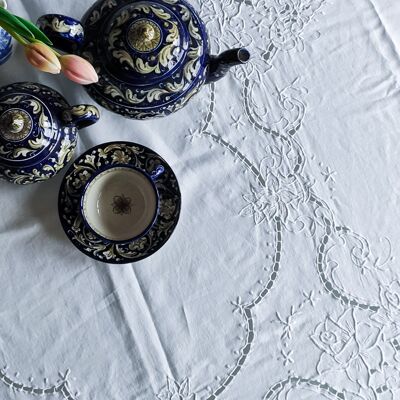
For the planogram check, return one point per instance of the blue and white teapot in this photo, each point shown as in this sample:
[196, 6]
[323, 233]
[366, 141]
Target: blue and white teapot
[152, 56]
[38, 131]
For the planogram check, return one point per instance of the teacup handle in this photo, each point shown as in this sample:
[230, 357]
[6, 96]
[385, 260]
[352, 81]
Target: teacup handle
[157, 173]
[81, 116]
[66, 33]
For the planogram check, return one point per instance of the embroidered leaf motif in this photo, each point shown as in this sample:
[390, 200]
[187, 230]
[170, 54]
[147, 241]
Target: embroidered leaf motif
[176, 391]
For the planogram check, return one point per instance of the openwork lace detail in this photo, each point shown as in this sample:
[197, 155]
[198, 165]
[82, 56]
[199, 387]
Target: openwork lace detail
[358, 341]
[245, 310]
[281, 190]
[284, 388]
[62, 386]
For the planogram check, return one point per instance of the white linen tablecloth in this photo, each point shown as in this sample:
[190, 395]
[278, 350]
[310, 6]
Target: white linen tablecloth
[281, 281]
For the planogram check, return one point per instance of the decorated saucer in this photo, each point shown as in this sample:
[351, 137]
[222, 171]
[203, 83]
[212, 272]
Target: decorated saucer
[119, 202]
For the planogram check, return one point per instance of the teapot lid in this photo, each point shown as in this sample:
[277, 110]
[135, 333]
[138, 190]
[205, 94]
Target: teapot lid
[29, 126]
[145, 41]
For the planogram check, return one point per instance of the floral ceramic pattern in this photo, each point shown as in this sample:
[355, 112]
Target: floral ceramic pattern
[38, 131]
[59, 25]
[70, 32]
[71, 192]
[177, 88]
[121, 204]
[144, 35]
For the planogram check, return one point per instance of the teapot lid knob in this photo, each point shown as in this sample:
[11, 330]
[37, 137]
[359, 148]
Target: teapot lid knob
[148, 32]
[144, 35]
[15, 125]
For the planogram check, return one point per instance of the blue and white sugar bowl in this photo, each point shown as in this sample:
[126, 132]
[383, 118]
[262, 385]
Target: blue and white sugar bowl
[5, 40]
[38, 131]
[151, 56]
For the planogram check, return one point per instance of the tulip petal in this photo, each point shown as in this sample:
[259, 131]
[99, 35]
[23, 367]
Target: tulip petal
[78, 70]
[42, 57]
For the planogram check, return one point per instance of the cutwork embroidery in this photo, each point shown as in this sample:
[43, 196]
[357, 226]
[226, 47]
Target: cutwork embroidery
[62, 386]
[288, 325]
[282, 187]
[176, 391]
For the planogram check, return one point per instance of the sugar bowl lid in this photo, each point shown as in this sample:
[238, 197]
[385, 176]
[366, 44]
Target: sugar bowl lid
[146, 41]
[29, 124]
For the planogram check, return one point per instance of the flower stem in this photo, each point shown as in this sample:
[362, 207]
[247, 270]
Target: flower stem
[14, 34]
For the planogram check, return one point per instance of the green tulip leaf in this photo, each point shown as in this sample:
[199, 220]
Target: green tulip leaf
[39, 35]
[16, 25]
[14, 34]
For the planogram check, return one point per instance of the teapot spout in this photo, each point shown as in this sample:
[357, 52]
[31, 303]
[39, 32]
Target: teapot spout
[220, 65]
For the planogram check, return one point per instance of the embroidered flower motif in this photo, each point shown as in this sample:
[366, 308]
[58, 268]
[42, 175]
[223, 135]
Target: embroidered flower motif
[389, 315]
[269, 203]
[348, 346]
[176, 391]
[193, 134]
[390, 296]
[120, 157]
[392, 377]
[283, 192]
[280, 161]
[287, 21]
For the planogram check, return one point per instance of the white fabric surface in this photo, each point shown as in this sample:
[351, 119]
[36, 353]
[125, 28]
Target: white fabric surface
[289, 227]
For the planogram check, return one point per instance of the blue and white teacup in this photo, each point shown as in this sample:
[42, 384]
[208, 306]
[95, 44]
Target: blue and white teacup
[5, 40]
[120, 202]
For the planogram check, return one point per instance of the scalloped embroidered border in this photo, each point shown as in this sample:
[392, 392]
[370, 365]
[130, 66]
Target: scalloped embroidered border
[63, 387]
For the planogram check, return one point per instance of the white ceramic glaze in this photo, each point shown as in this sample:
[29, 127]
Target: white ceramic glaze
[120, 203]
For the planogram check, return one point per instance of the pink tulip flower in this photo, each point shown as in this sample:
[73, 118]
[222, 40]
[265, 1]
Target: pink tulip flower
[78, 69]
[42, 57]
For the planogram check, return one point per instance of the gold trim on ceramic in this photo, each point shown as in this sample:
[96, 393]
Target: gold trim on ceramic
[15, 125]
[144, 35]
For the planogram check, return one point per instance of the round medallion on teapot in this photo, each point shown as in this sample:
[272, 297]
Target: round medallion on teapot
[144, 35]
[15, 125]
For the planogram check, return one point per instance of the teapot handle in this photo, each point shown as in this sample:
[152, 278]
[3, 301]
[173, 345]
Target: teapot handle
[66, 33]
[81, 116]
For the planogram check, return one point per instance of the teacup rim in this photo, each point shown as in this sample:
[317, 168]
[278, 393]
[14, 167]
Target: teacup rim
[109, 167]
